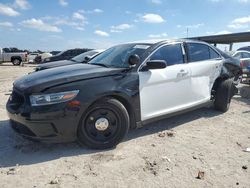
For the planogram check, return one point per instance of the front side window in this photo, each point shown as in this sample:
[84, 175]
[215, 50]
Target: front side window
[198, 52]
[172, 54]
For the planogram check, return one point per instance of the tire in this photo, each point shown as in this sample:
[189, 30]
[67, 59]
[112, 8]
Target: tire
[223, 95]
[104, 124]
[16, 62]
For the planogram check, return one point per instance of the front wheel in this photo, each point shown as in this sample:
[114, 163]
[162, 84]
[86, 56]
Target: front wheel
[104, 125]
[223, 96]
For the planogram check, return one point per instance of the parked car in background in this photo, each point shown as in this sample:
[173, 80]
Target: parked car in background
[31, 57]
[40, 58]
[15, 57]
[244, 57]
[126, 86]
[66, 55]
[82, 58]
[246, 48]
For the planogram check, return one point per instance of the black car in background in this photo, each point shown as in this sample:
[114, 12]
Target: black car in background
[66, 55]
[82, 58]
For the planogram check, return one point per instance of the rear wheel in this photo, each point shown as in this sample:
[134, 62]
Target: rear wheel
[223, 95]
[16, 62]
[104, 125]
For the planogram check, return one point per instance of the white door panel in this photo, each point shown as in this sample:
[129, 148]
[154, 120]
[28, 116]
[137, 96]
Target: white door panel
[161, 91]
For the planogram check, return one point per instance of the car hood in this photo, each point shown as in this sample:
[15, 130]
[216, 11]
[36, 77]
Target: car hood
[55, 64]
[39, 81]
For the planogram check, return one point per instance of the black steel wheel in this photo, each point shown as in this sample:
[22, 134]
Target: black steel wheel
[104, 124]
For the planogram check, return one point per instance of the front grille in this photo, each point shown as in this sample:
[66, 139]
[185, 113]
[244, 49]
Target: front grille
[16, 100]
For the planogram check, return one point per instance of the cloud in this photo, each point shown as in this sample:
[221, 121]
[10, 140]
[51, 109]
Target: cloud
[152, 18]
[94, 11]
[244, 1]
[38, 24]
[162, 35]
[8, 11]
[78, 16]
[97, 10]
[63, 3]
[22, 4]
[6, 24]
[157, 2]
[239, 1]
[120, 28]
[101, 33]
[75, 23]
[239, 23]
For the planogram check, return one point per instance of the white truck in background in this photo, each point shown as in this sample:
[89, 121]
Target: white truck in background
[6, 55]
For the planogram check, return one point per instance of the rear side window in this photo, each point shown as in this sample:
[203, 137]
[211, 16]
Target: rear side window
[198, 52]
[172, 54]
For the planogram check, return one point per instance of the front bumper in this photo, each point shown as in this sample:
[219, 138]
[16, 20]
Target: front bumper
[53, 124]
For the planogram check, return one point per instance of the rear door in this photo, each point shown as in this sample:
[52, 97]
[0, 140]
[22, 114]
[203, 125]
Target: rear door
[205, 64]
[164, 91]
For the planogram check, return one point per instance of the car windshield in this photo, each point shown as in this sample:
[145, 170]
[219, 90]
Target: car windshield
[81, 58]
[117, 56]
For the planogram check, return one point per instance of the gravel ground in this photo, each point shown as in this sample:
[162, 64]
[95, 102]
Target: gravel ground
[203, 148]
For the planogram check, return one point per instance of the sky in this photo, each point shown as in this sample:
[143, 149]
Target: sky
[62, 24]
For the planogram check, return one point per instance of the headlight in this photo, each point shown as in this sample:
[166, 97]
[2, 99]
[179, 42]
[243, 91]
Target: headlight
[53, 98]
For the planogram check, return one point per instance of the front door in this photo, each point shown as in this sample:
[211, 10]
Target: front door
[164, 91]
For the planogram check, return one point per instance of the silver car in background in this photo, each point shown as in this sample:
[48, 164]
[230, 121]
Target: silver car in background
[244, 57]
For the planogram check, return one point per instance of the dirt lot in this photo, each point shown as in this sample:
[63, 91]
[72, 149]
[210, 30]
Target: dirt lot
[169, 153]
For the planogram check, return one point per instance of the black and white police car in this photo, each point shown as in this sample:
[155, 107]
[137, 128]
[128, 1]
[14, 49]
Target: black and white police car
[126, 86]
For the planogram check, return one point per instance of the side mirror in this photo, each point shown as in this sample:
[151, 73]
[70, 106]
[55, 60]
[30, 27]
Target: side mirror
[134, 59]
[155, 64]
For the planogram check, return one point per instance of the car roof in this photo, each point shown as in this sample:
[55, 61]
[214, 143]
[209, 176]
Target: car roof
[159, 41]
[245, 51]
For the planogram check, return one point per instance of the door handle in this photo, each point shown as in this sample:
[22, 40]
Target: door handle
[183, 72]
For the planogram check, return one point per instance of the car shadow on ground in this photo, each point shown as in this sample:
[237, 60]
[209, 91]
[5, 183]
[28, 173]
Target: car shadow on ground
[17, 150]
